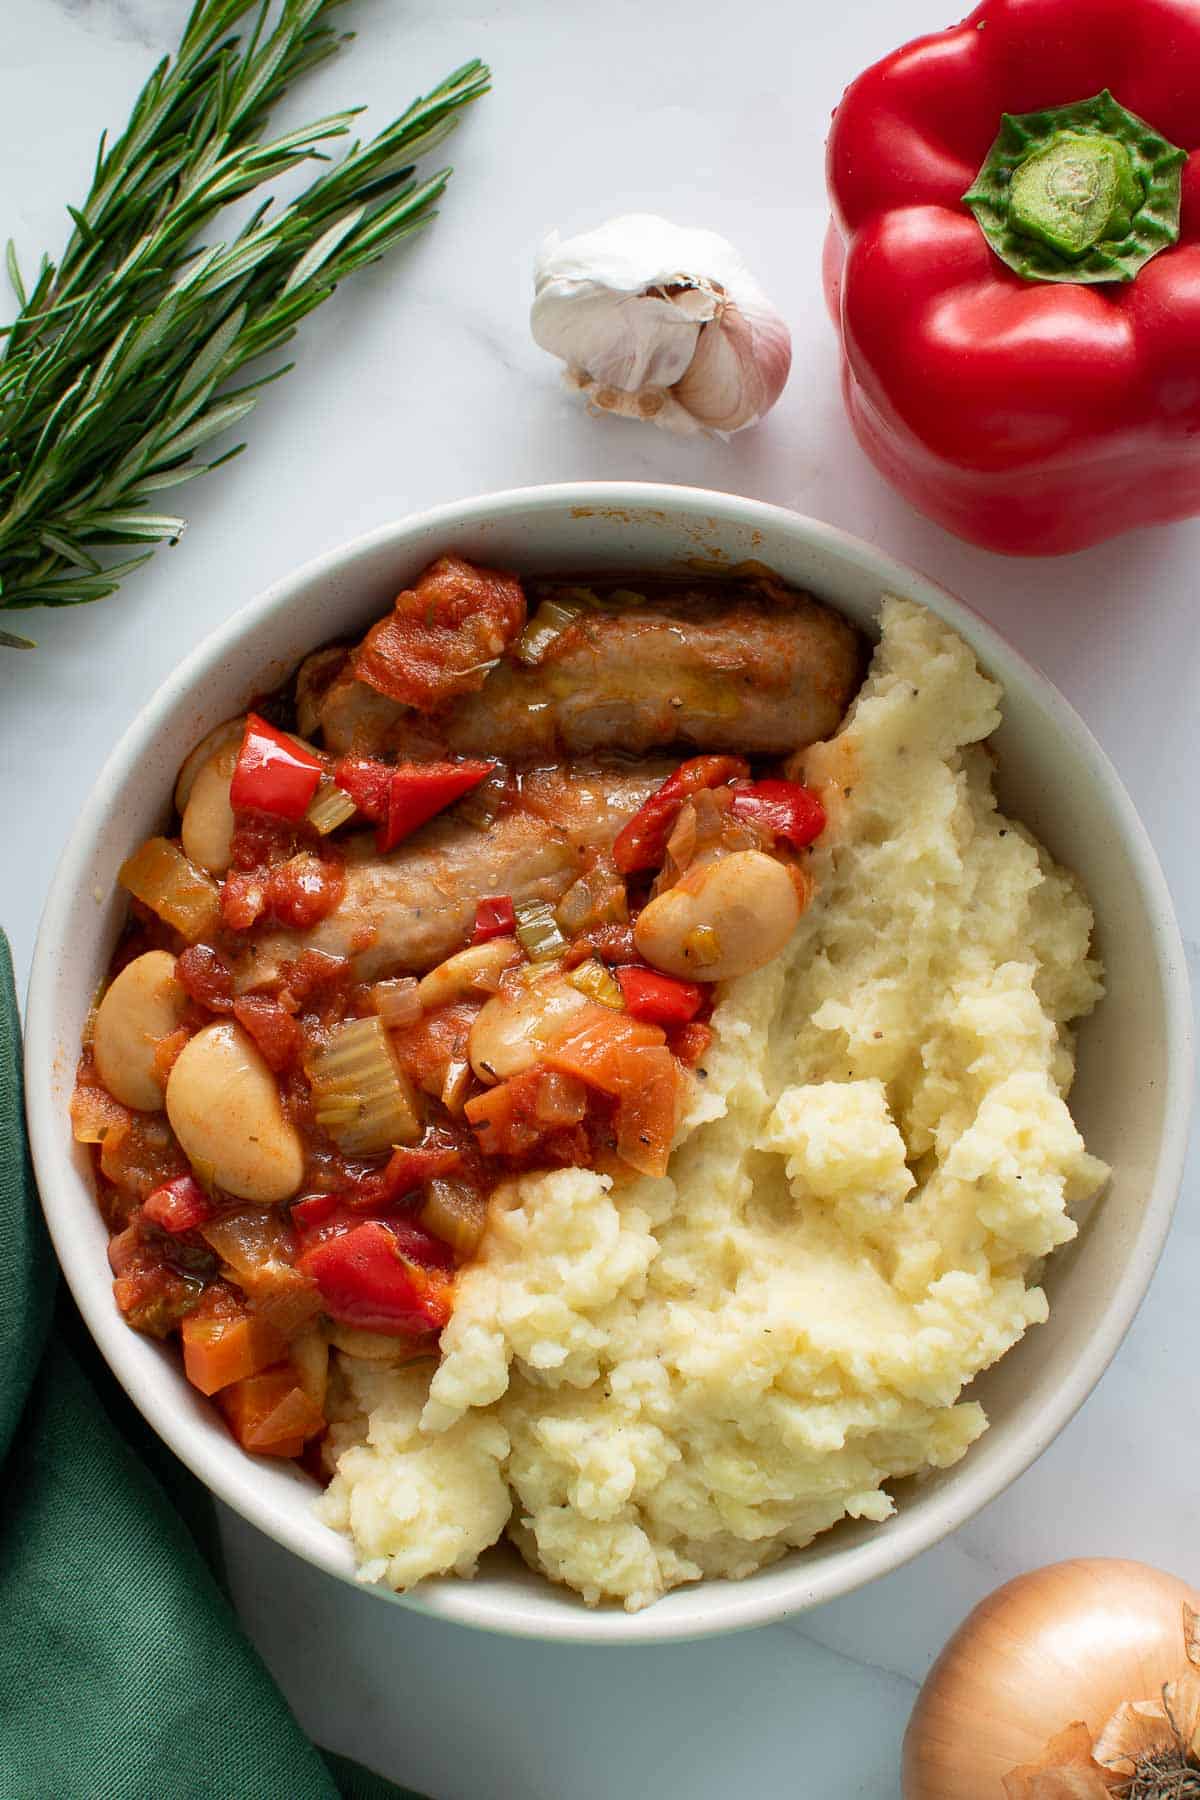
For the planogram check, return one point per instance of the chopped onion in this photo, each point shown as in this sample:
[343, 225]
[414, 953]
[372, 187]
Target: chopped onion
[561, 1099]
[594, 980]
[329, 807]
[456, 1087]
[597, 898]
[397, 1002]
[361, 1096]
[162, 878]
[455, 1213]
[537, 931]
[549, 622]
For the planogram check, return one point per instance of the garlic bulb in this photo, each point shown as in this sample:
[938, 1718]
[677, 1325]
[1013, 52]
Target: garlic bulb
[661, 322]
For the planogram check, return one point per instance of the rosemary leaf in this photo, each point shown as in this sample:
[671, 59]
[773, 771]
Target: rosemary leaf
[122, 360]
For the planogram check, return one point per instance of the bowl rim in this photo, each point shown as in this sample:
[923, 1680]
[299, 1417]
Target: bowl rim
[793, 1585]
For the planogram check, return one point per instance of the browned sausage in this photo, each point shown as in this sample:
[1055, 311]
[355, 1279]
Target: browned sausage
[761, 672]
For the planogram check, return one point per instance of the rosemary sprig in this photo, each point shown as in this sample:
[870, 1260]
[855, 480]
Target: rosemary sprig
[118, 367]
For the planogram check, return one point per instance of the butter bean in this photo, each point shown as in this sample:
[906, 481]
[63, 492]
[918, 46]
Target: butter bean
[144, 1005]
[229, 731]
[467, 972]
[208, 821]
[722, 919]
[510, 1035]
[224, 1107]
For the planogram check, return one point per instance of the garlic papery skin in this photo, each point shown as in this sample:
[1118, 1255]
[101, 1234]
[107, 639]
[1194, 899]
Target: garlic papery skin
[661, 322]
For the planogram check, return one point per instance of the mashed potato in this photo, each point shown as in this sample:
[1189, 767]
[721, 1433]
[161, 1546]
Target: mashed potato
[656, 1381]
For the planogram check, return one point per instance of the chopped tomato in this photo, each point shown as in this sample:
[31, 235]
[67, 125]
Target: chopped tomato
[313, 972]
[223, 1342]
[659, 998]
[648, 1110]
[642, 843]
[536, 1116]
[689, 1042]
[305, 889]
[787, 808]
[205, 977]
[504, 1117]
[296, 894]
[270, 1413]
[426, 1050]
[593, 1051]
[412, 1165]
[418, 791]
[178, 1205]
[273, 773]
[259, 840]
[365, 1279]
[443, 635]
[272, 1027]
[152, 1295]
[243, 900]
[367, 782]
[494, 917]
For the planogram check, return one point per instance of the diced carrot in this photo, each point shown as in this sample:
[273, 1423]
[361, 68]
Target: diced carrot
[224, 1343]
[270, 1413]
[593, 1051]
[648, 1111]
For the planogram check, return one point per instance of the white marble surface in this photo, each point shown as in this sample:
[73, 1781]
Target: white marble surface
[419, 384]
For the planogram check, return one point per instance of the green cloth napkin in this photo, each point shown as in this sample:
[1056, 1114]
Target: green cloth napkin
[123, 1672]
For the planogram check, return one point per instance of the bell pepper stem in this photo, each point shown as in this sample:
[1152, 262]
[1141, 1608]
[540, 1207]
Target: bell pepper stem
[1081, 193]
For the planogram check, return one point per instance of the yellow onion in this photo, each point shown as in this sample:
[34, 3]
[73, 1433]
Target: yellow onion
[1053, 1689]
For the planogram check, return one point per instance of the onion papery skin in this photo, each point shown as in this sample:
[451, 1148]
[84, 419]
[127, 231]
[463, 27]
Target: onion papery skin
[1067, 1642]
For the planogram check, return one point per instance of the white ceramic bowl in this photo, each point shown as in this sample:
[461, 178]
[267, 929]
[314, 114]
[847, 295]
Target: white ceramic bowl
[1131, 1097]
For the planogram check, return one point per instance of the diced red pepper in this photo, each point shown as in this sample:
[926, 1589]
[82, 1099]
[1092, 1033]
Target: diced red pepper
[178, 1205]
[494, 917]
[365, 1279]
[414, 1242]
[642, 842]
[273, 774]
[659, 998]
[419, 791]
[689, 1042]
[787, 808]
[367, 782]
[313, 1210]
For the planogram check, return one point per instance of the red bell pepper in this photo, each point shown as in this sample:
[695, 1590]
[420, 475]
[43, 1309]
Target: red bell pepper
[365, 1279]
[660, 999]
[1019, 310]
[273, 774]
[642, 842]
[494, 917]
[367, 782]
[178, 1205]
[786, 808]
[400, 797]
